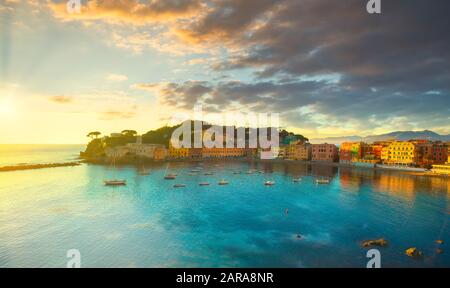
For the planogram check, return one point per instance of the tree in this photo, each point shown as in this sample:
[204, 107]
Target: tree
[130, 133]
[94, 134]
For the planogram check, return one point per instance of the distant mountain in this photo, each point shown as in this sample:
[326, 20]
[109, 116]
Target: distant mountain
[398, 135]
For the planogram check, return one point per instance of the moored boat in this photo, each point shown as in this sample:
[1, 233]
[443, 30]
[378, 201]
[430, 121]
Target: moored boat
[323, 181]
[204, 184]
[179, 185]
[269, 183]
[115, 182]
[223, 182]
[170, 177]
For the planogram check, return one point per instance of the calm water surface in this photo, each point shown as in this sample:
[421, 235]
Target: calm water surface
[38, 154]
[148, 223]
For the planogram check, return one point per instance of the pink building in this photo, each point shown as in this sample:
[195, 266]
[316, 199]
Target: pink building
[324, 152]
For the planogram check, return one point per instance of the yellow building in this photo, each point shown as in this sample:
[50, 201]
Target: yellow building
[299, 152]
[178, 152]
[400, 152]
[160, 153]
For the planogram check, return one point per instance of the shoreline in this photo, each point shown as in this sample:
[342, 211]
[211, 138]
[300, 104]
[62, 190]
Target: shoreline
[140, 162]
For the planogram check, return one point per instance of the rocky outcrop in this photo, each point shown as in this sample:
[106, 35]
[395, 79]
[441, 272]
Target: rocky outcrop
[414, 253]
[378, 242]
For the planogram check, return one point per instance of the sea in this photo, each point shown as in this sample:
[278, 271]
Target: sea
[148, 223]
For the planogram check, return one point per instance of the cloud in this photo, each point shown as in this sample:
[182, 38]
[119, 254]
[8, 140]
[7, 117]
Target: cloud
[116, 77]
[307, 104]
[128, 11]
[61, 99]
[116, 114]
[325, 63]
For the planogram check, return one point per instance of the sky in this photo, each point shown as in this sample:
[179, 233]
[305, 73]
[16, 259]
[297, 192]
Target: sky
[328, 68]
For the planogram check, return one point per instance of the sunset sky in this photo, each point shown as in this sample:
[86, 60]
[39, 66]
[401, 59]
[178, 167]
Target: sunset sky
[328, 67]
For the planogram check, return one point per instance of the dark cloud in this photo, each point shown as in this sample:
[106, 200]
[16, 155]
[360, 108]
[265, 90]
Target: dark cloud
[386, 63]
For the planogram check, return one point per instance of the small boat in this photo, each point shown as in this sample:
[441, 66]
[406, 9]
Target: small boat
[223, 182]
[237, 173]
[249, 172]
[269, 183]
[296, 180]
[195, 171]
[204, 184]
[170, 177]
[115, 182]
[179, 185]
[323, 181]
[208, 174]
[193, 174]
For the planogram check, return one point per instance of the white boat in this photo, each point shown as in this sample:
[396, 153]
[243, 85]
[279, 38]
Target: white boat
[296, 180]
[223, 182]
[208, 174]
[269, 183]
[179, 185]
[323, 181]
[115, 182]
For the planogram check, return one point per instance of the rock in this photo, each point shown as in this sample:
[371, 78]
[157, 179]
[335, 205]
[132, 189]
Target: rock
[299, 236]
[440, 242]
[439, 251]
[414, 253]
[379, 242]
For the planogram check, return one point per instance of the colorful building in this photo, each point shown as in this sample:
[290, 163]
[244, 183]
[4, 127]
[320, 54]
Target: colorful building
[345, 152]
[299, 151]
[325, 152]
[177, 153]
[402, 153]
[223, 152]
[160, 153]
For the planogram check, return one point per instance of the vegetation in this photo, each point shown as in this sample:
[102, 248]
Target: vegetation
[96, 148]
[93, 135]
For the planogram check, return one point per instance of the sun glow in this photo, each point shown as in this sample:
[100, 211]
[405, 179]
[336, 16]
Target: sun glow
[6, 108]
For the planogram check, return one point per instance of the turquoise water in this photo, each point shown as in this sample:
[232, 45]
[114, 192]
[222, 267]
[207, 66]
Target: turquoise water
[148, 223]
